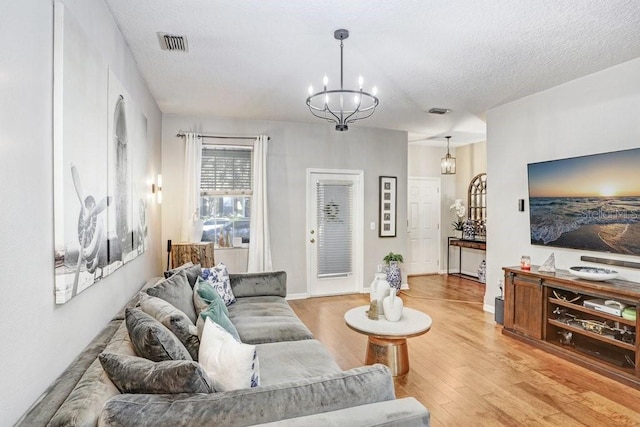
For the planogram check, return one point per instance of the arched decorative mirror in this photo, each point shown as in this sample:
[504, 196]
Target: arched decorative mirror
[477, 202]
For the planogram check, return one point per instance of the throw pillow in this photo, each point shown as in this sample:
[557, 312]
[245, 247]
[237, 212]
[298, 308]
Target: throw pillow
[176, 291]
[218, 276]
[229, 364]
[193, 272]
[132, 374]
[204, 294]
[215, 312]
[151, 339]
[174, 320]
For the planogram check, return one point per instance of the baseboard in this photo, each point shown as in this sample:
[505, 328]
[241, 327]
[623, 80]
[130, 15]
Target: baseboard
[297, 296]
[489, 308]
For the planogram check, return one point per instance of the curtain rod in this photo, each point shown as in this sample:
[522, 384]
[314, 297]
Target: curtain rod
[223, 137]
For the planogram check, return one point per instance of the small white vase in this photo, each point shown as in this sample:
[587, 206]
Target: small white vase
[392, 307]
[196, 231]
[378, 289]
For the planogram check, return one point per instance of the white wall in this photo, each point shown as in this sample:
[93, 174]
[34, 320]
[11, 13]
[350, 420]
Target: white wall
[593, 114]
[39, 338]
[293, 148]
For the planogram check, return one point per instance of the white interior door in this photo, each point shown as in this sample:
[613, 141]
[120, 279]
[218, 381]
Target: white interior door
[423, 226]
[334, 232]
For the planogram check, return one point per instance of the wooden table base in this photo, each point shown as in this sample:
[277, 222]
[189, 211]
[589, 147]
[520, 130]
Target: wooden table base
[390, 352]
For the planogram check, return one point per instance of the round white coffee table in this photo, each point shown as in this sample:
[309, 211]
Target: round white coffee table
[388, 340]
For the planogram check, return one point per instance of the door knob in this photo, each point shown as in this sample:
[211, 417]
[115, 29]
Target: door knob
[312, 240]
[313, 231]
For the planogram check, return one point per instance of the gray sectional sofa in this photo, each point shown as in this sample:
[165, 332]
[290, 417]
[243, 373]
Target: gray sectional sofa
[300, 382]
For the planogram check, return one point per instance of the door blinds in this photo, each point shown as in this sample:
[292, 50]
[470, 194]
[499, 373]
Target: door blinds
[335, 228]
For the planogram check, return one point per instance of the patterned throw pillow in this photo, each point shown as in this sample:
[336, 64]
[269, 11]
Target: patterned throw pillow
[218, 276]
[132, 374]
[151, 339]
[229, 364]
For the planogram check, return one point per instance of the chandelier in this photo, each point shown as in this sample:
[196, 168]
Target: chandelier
[448, 163]
[342, 106]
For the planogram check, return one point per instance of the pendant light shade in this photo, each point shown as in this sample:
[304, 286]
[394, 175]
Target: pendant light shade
[448, 163]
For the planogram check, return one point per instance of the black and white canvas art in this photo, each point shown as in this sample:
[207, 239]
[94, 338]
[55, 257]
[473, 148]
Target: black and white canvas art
[91, 241]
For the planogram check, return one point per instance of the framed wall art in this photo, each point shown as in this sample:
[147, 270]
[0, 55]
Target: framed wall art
[387, 208]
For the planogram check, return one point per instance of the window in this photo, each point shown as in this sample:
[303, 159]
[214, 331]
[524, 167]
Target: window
[225, 193]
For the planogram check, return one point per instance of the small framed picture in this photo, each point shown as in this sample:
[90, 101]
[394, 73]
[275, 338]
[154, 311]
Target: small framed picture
[387, 206]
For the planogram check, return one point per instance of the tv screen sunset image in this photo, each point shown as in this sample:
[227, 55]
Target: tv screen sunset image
[589, 203]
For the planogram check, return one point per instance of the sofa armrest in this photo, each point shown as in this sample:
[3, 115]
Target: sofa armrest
[272, 283]
[358, 386]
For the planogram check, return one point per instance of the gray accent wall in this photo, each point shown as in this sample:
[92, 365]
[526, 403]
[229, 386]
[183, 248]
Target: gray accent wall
[40, 338]
[295, 147]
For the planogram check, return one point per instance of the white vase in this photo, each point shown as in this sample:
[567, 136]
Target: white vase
[379, 289]
[392, 307]
[196, 231]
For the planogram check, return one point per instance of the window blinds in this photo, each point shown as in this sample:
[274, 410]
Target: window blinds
[226, 171]
[335, 228]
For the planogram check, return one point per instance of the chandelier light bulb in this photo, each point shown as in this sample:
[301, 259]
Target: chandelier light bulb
[374, 91]
[356, 99]
[360, 81]
[325, 81]
[326, 99]
[310, 90]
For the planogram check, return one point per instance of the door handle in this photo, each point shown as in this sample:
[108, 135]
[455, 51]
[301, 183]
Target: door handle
[312, 240]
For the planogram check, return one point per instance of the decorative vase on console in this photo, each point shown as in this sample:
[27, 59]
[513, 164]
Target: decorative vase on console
[379, 288]
[392, 307]
[469, 230]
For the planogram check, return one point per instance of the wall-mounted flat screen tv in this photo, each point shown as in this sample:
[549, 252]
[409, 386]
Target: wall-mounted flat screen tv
[590, 202]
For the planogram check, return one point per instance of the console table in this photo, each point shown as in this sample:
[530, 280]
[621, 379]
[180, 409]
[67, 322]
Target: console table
[460, 244]
[547, 310]
[198, 253]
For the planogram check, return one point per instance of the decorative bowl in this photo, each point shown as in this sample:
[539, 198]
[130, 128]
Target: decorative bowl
[593, 273]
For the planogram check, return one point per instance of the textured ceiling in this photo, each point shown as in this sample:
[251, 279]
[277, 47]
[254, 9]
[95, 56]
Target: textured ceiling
[256, 59]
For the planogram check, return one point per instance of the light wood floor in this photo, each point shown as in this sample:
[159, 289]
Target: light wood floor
[467, 373]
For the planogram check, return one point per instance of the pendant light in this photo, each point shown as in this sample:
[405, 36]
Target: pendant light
[448, 163]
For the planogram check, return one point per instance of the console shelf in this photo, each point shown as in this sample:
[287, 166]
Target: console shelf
[537, 312]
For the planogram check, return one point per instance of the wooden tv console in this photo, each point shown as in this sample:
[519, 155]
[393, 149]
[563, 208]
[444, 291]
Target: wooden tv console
[538, 308]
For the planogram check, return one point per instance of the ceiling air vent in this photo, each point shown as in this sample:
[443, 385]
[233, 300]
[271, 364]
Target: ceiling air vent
[172, 42]
[439, 110]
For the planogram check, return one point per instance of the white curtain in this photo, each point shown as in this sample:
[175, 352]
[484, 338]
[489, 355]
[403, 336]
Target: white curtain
[191, 188]
[259, 242]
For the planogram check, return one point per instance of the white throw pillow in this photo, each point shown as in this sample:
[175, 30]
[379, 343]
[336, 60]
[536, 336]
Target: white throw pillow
[229, 364]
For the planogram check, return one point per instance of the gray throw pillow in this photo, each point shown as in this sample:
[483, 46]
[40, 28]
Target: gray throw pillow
[174, 320]
[151, 339]
[131, 374]
[193, 272]
[176, 291]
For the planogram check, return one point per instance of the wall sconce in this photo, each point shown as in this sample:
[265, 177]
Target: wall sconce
[448, 163]
[157, 189]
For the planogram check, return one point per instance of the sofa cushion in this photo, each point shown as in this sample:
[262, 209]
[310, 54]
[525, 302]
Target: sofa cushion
[218, 276]
[358, 386]
[174, 320]
[83, 405]
[218, 316]
[267, 319]
[151, 339]
[204, 294]
[177, 292]
[132, 374]
[230, 365]
[268, 283]
[293, 360]
[192, 271]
